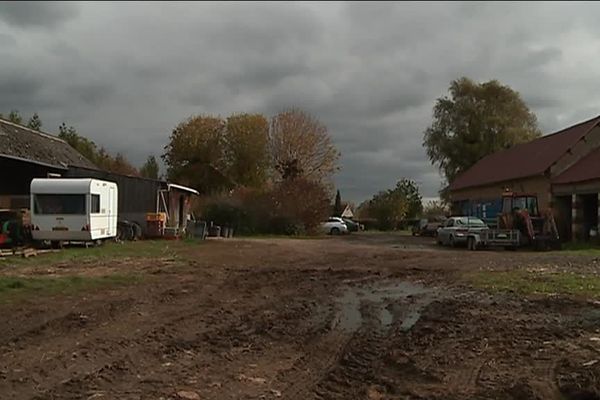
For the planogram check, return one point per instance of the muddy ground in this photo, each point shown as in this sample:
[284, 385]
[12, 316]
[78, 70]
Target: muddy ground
[359, 317]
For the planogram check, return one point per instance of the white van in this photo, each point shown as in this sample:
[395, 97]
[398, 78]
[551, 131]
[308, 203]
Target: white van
[77, 209]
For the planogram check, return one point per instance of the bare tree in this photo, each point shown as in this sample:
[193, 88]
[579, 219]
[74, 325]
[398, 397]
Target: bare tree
[302, 147]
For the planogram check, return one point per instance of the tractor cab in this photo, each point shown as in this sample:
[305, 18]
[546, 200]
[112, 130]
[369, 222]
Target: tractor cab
[513, 201]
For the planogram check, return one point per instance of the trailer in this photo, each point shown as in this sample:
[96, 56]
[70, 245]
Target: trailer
[73, 209]
[509, 239]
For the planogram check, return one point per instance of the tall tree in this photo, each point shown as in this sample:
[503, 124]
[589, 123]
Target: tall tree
[195, 154]
[302, 147]
[15, 117]
[83, 145]
[150, 169]
[35, 122]
[337, 207]
[246, 149]
[434, 209]
[477, 119]
[409, 190]
[390, 207]
[98, 156]
[120, 165]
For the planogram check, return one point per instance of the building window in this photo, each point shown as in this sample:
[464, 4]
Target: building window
[95, 209]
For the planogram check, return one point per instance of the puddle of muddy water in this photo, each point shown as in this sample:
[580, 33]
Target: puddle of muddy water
[382, 297]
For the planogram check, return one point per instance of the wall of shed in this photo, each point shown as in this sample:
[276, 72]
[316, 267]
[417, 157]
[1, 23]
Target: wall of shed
[15, 179]
[581, 149]
[137, 196]
[539, 186]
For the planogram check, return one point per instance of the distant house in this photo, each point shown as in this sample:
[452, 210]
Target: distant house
[562, 169]
[348, 213]
[26, 154]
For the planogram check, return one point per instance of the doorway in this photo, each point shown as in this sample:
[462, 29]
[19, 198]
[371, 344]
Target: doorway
[589, 207]
[562, 216]
[182, 221]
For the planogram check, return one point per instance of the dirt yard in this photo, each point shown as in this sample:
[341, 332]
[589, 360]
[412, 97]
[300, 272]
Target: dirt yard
[361, 317]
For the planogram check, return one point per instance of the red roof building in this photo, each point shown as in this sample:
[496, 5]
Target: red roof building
[562, 169]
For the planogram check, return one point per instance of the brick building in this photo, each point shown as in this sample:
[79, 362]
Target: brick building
[562, 169]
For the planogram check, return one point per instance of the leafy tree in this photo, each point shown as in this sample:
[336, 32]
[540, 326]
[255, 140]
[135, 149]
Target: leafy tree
[83, 145]
[337, 207]
[434, 208]
[477, 119]
[120, 165]
[246, 149]
[392, 206]
[196, 156]
[410, 192]
[302, 147]
[150, 169]
[98, 156]
[15, 117]
[35, 122]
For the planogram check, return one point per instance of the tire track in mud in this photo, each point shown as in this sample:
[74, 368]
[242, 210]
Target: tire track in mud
[178, 331]
[344, 362]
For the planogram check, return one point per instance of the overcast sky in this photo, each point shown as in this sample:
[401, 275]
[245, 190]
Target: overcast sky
[124, 74]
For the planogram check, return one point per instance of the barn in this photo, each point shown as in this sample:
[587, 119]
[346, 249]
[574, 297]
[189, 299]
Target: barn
[26, 154]
[562, 169]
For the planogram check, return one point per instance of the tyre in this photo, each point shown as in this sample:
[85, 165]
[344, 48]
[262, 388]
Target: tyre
[334, 231]
[451, 241]
[471, 244]
[137, 231]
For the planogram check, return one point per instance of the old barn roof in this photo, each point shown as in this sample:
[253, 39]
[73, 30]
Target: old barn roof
[523, 160]
[22, 143]
[586, 169]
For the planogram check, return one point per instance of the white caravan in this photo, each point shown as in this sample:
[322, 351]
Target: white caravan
[77, 209]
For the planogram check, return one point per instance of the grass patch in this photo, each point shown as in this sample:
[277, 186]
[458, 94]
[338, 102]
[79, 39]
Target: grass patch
[581, 248]
[14, 288]
[108, 251]
[531, 282]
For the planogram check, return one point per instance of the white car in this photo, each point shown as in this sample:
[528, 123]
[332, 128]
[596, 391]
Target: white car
[455, 230]
[334, 226]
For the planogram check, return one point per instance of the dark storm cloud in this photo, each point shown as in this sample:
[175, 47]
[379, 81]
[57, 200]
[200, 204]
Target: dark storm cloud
[36, 13]
[125, 75]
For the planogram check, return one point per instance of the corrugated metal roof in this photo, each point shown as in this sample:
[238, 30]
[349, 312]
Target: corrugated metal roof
[20, 142]
[523, 160]
[586, 169]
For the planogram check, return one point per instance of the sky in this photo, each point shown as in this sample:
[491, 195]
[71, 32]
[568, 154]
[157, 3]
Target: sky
[125, 74]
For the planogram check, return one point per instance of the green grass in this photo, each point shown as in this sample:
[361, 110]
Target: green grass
[108, 251]
[14, 288]
[581, 248]
[530, 282]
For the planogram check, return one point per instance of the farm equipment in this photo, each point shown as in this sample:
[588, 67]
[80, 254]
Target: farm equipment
[520, 224]
[13, 229]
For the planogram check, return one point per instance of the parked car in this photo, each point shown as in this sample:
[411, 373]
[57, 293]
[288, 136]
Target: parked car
[425, 227]
[351, 225]
[455, 230]
[334, 226]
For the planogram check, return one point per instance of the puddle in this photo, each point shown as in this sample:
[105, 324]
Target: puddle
[409, 321]
[389, 301]
[350, 318]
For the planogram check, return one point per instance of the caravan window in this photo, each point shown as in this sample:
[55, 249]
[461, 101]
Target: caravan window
[59, 204]
[95, 208]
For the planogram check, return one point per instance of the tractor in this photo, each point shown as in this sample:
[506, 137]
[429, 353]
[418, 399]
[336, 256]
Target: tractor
[538, 229]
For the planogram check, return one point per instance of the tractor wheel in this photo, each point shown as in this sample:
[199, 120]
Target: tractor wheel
[471, 244]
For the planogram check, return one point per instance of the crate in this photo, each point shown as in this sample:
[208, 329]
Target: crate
[161, 216]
